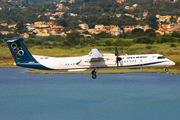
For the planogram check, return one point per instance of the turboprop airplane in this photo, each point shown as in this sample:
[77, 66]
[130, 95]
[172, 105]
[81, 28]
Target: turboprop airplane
[94, 60]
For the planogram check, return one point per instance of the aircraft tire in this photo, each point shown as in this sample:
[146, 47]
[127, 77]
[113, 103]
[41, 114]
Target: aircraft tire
[94, 76]
[166, 69]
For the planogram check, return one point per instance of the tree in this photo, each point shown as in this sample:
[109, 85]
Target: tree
[167, 38]
[138, 32]
[144, 39]
[10, 35]
[20, 26]
[104, 35]
[62, 22]
[150, 33]
[175, 34]
[152, 21]
[27, 3]
[73, 37]
[1, 36]
[56, 16]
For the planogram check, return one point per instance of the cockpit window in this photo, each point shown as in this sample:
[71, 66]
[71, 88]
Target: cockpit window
[161, 57]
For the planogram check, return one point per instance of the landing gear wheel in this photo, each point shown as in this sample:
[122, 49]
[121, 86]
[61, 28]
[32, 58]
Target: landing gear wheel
[166, 69]
[93, 72]
[94, 76]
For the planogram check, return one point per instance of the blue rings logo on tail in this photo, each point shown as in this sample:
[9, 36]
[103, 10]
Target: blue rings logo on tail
[18, 51]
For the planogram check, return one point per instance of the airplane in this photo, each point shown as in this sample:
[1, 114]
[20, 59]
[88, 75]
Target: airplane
[93, 61]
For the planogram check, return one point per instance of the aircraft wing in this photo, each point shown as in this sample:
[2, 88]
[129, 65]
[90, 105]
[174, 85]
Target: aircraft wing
[95, 55]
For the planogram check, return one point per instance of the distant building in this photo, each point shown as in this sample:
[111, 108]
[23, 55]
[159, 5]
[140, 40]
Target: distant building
[130, 27]
[130, 15]
[99, 27]
[120, 1]
[40, 23]
[172, 1]
[31, 27]
[163, 18]
[178, 20]
[72, 14]
[127, 7]
[50, 23]
[118, 15]
[4, 24]
[5, 32]
[52, 18]
[84, 26]
[12, 26]
[62, 0]
[145, 14]
[71, 1]
[25, 35]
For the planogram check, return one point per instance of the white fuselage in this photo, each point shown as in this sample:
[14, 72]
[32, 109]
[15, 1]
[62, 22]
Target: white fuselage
[108, 61]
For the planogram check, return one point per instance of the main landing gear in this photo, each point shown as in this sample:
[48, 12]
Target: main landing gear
[94, 76]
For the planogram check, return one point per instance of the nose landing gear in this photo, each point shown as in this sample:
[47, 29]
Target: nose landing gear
[166, 69]
[94, 76]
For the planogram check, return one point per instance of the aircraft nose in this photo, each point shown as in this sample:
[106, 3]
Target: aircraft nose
[172, 63]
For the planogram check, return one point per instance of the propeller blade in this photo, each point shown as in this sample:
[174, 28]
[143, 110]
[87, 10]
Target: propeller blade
[117, 58]
[116, 51]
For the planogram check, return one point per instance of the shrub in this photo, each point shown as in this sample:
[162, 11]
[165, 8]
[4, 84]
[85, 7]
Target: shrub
[108, 43]
[39, 42]
[167, 38]
[173, 45]
[175, 34]
[67, 43]
[1, 40]
[118, 43]
[144, 39]
[148, 47]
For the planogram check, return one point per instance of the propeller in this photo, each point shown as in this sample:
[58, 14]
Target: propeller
[117, 58]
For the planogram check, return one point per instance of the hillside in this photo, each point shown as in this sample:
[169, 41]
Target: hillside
[111, 6]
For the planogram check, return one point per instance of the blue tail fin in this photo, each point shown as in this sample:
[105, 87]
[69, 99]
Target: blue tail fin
[19, 51]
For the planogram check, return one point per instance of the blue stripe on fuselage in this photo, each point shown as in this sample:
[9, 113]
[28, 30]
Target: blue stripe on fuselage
[33, 65]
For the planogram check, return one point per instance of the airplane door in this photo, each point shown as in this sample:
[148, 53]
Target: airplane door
[62, 65]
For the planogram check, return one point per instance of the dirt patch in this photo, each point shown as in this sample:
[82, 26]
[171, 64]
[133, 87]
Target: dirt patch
[7, 62]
